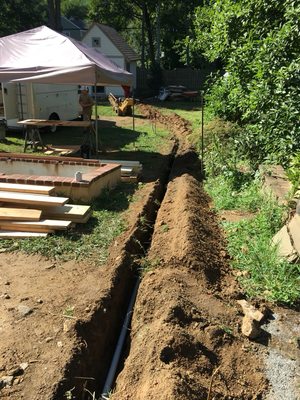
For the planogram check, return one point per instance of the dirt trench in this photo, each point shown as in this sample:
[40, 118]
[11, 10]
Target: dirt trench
[185, 334]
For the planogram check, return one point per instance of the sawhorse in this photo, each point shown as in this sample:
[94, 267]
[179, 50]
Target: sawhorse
[33, 138]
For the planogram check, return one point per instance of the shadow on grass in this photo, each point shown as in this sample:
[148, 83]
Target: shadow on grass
[116, 200]
[109, 136]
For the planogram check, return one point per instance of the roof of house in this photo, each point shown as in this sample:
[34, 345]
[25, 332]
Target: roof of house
[68, 24]
[74, 28]
[127, 51]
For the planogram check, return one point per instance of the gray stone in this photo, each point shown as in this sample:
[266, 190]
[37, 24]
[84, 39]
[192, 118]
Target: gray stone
[24, 366]
[294, 231]
[17, 370]
[276, 182]
[6, 380]
[285, 248]
[24, 310]
[250, 328]
[298, 207]
[250, 311]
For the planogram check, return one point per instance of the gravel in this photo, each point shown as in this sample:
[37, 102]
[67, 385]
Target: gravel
[281, 367]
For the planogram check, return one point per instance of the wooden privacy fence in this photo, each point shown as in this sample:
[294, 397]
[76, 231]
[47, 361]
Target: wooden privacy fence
[192, 79]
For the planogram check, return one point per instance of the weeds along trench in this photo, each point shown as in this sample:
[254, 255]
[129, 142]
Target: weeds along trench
[85, 374]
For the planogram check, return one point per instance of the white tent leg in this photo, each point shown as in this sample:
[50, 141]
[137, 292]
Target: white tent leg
[96, 123]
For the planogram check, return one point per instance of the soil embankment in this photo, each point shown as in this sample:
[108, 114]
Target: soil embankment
[185, 334]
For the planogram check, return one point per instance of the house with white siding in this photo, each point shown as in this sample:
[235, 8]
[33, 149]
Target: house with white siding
[109, 42]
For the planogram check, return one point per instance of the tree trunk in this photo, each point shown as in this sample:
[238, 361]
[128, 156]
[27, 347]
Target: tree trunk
[51, 14]
[143, 41]
[58, 16]
[54, 15]
[149, 34]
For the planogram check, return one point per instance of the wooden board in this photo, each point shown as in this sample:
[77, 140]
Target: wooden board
[51, 122]
[19, 214]
[24, 188]
[45, 225]
[16, 234]
[33, 199]
[68, 212]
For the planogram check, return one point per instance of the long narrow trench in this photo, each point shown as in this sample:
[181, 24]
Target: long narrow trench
[179, 164]
[185, 324]
[147, 225]
[87, 372]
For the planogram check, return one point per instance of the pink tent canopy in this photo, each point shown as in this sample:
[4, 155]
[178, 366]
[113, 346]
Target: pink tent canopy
[42, 55]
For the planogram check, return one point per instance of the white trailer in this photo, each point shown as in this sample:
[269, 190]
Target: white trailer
[42, 101]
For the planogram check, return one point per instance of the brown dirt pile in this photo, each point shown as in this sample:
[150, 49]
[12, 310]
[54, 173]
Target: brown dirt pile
[185, 323]
[175, 124]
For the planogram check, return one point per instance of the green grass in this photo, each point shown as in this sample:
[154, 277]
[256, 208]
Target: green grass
[249, 241]
[13, 143]
[87, 241]
[104, 109]
[111, 137]
[247, 198]
[123, 139]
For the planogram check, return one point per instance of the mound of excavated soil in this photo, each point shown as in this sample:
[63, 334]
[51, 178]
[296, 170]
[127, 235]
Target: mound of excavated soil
[185, 333]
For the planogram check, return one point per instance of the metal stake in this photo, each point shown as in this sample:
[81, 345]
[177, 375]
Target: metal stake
[202, 134]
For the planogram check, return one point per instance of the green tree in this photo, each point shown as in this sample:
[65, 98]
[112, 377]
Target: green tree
[75, 8]
[155, 28]
[119, 14]
[16, 17]
[176, 33]
[258, 44]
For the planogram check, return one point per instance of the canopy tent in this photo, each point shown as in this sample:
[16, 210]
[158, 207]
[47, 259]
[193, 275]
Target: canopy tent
[45, 56]
[42, 55]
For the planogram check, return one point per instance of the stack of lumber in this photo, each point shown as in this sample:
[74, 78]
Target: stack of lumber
[130, 170]
[32, 210]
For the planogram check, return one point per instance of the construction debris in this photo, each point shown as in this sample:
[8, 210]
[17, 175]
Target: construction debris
[132, 169]
[176, 92]
[50, 213]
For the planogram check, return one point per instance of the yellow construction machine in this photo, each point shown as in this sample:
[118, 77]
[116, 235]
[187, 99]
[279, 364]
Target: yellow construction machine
[121, 106]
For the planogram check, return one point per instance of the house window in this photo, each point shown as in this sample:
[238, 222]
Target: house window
[96, 42]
